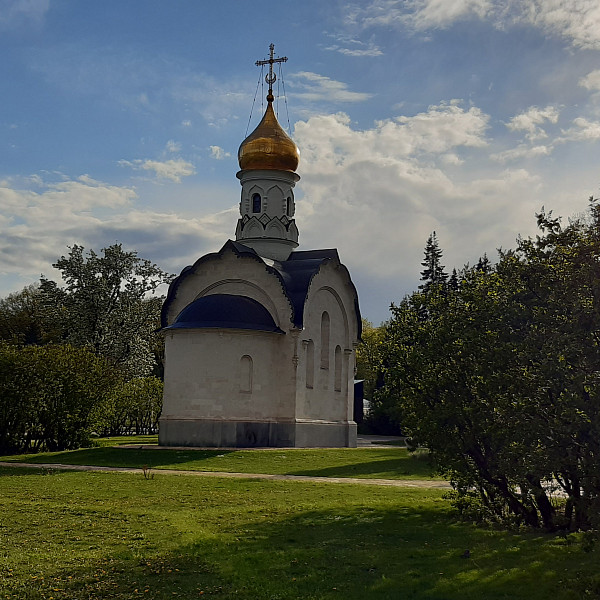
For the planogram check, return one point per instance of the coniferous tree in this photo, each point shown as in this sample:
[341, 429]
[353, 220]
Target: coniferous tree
[483, 264]
[453, 283]
[433, 274]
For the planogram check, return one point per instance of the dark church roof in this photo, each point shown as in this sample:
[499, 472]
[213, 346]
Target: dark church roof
[295, 275]
[225, 311]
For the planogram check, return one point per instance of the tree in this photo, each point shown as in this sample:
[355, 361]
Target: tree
[453, 282]
[108, 305]
[483, 264]
[433, 274]
[382, 418]
[368, 357]
[23, 318]
[501, 381]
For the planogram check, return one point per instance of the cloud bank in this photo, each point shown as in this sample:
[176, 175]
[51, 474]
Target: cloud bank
[575, 21]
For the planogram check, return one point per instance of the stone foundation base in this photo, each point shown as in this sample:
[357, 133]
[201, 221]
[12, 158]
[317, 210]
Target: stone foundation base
[256, 434]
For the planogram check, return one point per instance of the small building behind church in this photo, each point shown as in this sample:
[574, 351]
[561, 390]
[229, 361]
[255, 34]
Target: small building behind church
[260, 336]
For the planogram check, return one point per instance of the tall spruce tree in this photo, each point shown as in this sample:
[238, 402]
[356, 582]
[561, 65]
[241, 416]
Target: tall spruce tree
[433, 274]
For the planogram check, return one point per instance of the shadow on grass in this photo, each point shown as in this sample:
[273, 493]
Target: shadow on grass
[393, 463]
[118, 457]
[21, 472]
[323, 554]
[380, 468]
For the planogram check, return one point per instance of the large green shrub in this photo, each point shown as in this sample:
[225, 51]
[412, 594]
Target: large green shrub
[132, 406]
[500, 378]
[48, 394]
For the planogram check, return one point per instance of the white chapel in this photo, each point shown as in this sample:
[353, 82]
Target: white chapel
[259, 336]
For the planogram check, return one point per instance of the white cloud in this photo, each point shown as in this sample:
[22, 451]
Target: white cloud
[173, 146]
[530, 121]
[577, 21]
[371, 50]
[172, 169]
[416, 14]
[218, 153]
[350, 46]
[386, 188]
[328, 142]
[522, 151]
[428, 14]
[312, 87]
[95, 214]
[582, 130]
[591, 81]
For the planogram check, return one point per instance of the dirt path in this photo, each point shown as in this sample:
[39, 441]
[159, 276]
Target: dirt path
[411, 483]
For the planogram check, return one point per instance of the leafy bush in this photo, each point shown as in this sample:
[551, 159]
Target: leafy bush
[132, 406]
[47, 395]
[499, 376]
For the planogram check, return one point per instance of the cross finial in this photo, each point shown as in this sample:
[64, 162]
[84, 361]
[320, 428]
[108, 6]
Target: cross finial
[271, 78]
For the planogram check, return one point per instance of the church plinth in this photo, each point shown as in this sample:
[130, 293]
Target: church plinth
[217, 433]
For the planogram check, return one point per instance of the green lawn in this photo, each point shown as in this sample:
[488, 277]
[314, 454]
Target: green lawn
[386, 463]
[87, 536]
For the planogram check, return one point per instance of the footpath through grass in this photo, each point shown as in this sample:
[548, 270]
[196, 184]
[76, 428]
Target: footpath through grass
[379, 463]
[90, 536]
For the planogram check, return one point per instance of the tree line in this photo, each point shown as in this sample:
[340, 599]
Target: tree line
[83, 357]
[496, 370]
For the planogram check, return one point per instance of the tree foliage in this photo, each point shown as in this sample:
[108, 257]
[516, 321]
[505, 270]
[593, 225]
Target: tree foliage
[48, 394]
[24, 319]
[76, 358]
[107, 304]
[499, 378]
[368, 357]
[131, 407]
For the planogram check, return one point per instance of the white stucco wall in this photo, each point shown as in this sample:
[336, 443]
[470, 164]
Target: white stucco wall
[331, 293]
[204, 379]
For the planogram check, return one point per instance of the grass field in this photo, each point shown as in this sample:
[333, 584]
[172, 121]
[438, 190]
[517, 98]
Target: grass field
[88, 536]
[382, 463]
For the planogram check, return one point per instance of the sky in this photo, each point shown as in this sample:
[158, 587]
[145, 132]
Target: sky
[120, 121]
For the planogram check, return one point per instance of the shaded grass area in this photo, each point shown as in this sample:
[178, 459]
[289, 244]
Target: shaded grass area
[385, 463]
[76, 536]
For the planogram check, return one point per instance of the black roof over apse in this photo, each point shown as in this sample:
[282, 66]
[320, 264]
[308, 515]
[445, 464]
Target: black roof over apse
[295, 275]
[226, 311]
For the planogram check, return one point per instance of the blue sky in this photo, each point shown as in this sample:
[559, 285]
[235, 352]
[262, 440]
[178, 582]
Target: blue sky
[120, 121]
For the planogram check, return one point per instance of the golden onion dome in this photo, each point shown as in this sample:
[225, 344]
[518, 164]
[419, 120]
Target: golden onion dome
[268, 146]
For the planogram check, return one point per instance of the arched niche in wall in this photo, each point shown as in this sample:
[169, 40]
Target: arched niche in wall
[310, 364]
[325, 335]
[275, 195]
[246, 374]
[275, 229]
[337, 360]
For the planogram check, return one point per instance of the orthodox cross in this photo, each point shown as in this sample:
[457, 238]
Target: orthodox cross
[271, 78]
